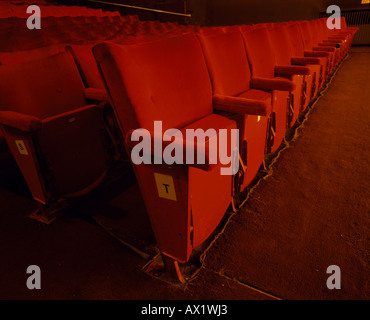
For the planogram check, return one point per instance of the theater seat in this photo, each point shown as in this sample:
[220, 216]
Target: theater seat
[56, 137]
[317, 61]
[283, 54]
[321, 36]
[321, 51]
[280, 66]
[317, 39]
[264, 77]
[230, 75]
[167, 80]
[86, 64]
[344, 38]
[96, 93]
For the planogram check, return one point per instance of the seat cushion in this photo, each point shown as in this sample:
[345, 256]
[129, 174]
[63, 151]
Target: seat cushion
[213, 124]
[163, 80]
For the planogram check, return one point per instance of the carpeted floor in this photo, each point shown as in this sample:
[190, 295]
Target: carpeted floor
[311, 211]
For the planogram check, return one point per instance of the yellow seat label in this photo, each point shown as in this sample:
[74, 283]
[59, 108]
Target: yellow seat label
[165, 186]
[21, 147]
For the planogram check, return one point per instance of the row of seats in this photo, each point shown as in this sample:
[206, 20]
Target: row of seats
[19, 10]
[56, 103]
[15, 36]
[251, 79]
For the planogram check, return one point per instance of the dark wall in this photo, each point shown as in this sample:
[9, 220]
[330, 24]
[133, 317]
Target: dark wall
[228, 12]
[347, 4]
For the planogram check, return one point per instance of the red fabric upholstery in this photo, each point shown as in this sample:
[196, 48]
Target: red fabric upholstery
[43, 88]
[270, 84]
[86, 64]
[291, 70]
[227, 63]
[304, 60]
[260, 55]
[96, 94]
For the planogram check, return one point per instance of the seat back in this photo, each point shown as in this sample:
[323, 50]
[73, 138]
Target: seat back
[281, 44]
[227, 62]
[150, 82]
[260, 53]
[86, 64]
[295, 38]
[27, 55]
[43, 87]
[67, 155]
[318, 28]
[306, 34]
[73, 151]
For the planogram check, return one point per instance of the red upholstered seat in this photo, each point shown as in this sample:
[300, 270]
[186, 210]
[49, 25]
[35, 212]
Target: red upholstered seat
[283, 53]
[262, 61]
[310, 46]
[340, 35]
[54, 135]
[319, 35]
[86, 64]
[167, 80]
[281, 66]
[317, 61]
[230, 75]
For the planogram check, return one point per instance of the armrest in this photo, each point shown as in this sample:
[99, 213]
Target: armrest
[316, 54]
[241, 105]
[20, 121]
[71, 113]
[333, 43]
[337, 34]
[96, 94]
[324, 49]
[269, 84]
[338, 39]
[329, 46]
[291, 70]
[304, 60]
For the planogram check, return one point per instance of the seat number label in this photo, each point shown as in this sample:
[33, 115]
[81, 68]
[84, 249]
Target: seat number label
[165, 186]
[21, 147]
